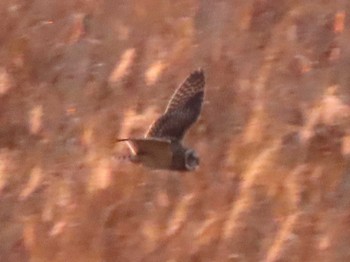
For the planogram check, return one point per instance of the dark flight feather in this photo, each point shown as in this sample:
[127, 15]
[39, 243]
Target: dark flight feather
[183, 109]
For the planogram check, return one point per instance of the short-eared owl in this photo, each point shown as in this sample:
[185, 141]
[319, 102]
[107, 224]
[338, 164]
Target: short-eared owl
[162, 148]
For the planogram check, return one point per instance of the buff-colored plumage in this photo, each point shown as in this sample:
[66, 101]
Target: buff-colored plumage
[162, 148]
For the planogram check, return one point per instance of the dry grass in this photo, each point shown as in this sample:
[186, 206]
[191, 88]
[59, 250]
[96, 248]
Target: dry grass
[274, 136]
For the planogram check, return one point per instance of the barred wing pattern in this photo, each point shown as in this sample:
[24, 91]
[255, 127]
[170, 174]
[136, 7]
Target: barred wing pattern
[183, 109]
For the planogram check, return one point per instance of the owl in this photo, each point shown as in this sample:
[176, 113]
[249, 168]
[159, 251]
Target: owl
[162, 147]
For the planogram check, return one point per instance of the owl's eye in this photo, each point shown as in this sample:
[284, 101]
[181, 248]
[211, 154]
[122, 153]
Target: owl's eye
[191, 160]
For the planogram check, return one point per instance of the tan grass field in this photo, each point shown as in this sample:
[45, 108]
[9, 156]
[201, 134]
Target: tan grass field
[273, 137]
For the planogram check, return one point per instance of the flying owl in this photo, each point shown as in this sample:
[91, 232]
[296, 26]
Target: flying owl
[162, 147]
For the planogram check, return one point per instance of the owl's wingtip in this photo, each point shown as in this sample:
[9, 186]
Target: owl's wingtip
[199, 70]
[198, 73]
[122, 139]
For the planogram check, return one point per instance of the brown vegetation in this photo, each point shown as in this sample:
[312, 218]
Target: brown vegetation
[274, 135]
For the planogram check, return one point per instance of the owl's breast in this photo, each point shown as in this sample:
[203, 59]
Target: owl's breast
[178, 157]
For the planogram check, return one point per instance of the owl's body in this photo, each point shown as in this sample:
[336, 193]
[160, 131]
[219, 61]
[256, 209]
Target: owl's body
[162, 147]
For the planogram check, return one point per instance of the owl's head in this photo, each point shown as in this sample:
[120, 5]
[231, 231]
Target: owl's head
[191, 160]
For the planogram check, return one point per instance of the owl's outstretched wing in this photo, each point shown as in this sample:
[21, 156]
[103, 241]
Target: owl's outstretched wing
[153, 146]
[152, 152]
[183, 109]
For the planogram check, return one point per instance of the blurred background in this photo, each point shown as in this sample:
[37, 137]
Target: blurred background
[273, 137]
